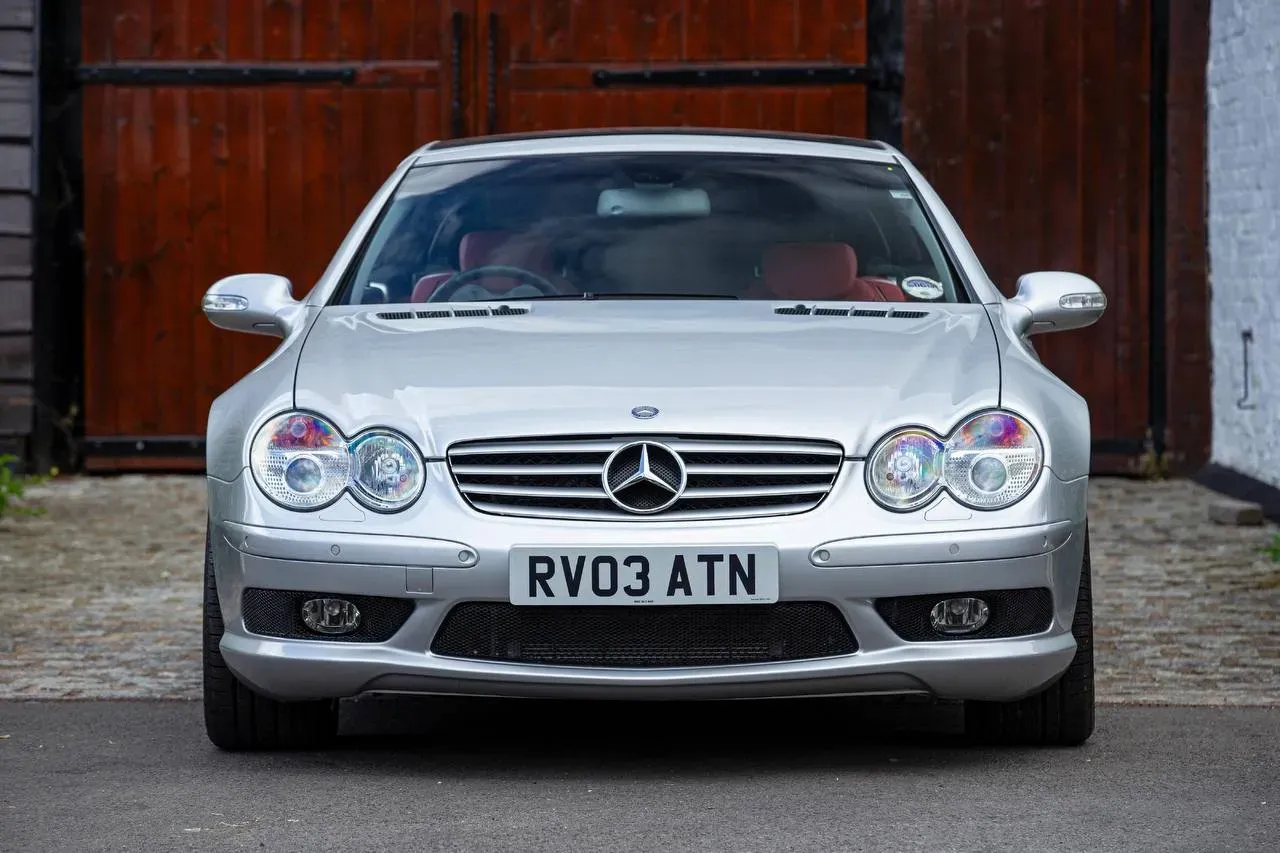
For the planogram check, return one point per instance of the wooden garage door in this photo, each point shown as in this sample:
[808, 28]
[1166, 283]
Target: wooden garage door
[225, 136]
[1034, 123]
[769, 64]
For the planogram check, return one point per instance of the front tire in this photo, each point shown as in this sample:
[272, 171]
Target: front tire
[237, 718]
[1061, 714]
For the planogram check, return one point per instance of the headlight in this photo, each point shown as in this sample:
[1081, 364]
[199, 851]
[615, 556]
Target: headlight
[989, 462]
[992, 460]
[386, 471]
[300, 461]
[303, 463]
[905, 470]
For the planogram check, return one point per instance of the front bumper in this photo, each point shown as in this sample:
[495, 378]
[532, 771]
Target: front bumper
[254, 548]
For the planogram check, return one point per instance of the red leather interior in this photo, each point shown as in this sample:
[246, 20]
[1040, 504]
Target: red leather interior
[822, 271]
[427, 285]
[502, 247]
[889, 291]
[481, 248]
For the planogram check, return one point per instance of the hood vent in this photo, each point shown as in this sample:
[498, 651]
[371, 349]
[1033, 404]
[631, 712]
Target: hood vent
[833, 311]
[442, 313]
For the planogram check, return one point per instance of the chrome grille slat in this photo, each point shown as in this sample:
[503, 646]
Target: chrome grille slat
[601, 446]
[694, 492]
[525, 470]
[727, 476]
[752, 446]
[536, 491]
[757, 470]
[612, 514]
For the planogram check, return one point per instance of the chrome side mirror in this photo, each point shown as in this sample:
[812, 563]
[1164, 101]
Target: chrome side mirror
[257, 303]
[1056, 302]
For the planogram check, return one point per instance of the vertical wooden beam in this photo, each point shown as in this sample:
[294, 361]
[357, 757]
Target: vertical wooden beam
[885, 58]
[1183, 316]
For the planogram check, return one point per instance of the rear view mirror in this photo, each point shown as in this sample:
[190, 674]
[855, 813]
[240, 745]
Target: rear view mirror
[1056, 302]
[257, 303]
[654, 201]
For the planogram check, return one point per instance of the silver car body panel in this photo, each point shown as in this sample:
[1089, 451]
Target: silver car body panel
[582, 367]
[1017, 550]
[579, 369]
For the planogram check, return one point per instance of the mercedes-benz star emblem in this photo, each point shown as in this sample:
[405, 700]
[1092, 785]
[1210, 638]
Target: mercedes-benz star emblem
[644, 413]
[644, 477]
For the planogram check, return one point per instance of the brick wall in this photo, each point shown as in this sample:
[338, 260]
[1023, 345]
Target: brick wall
[1244, 234]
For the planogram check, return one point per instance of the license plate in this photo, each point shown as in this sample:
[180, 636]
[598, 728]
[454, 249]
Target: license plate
[747, 575]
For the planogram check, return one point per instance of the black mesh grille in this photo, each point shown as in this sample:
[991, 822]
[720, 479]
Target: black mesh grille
[278, 613]
[1013, 613]
[647, 636]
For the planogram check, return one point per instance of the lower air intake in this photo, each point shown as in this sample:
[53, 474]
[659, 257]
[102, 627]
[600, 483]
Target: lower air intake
[650, 636]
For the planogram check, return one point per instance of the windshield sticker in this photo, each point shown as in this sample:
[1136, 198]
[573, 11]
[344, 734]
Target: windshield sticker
[922, 288]
[905, 194]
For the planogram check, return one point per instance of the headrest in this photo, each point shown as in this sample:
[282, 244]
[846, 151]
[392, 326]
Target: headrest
[810, 270]
[502, 247]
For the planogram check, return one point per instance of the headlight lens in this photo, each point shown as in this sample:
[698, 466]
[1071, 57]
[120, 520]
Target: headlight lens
[300, 461]
[991, 461]
[303, 463]
[905, 469]
[387, 472]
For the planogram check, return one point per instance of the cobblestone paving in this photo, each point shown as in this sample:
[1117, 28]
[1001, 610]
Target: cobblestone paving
[100, 597]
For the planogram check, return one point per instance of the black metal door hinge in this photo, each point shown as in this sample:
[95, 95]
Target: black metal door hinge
[759, 75]
[212, 74]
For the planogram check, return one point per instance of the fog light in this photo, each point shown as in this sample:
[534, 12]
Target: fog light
[330, 615]
[959, 615]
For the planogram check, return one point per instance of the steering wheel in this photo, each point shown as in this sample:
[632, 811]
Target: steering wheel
[449, 287]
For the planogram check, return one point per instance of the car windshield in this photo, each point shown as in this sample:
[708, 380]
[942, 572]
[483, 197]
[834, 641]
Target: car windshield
[653, 226]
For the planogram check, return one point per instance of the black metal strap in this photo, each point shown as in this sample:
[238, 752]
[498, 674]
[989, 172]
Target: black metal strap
[763, 75]
[132, 446]
[459, 127]
[493, 73]
[211, 74]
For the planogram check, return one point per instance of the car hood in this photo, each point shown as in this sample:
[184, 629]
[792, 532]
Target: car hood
[711, 367]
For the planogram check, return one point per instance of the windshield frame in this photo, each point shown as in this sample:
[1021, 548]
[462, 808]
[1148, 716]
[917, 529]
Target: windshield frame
[965, 291]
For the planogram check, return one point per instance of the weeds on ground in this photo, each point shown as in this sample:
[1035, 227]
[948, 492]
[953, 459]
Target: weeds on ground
[1272, 550]
[14, 485]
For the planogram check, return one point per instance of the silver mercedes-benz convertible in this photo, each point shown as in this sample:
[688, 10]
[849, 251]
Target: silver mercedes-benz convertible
[671, 414]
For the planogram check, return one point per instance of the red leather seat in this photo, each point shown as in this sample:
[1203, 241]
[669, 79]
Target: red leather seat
[483, 248]
[889, 290]
[427, 285]
[822, 271]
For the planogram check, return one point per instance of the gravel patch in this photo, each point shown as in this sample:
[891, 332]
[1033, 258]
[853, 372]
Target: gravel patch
[100, 597]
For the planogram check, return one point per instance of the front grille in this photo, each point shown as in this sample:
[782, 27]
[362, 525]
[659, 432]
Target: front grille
[1013, 613]
[645, 636]
[278, 613]
[727, 477]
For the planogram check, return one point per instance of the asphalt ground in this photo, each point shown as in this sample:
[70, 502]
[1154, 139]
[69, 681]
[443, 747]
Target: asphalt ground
[412, 774]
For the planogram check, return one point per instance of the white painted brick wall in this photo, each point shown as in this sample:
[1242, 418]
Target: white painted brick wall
[1244, 232]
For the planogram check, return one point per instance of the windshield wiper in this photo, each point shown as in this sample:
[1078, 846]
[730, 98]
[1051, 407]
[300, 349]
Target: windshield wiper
[600, 296]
